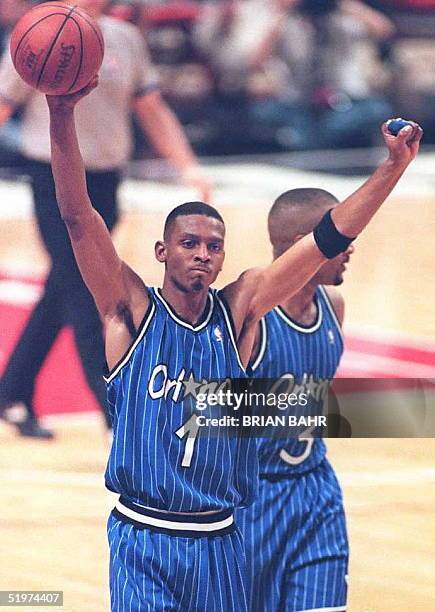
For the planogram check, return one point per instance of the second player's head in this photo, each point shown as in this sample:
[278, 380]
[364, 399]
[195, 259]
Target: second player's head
[192, 248]
[294, 215]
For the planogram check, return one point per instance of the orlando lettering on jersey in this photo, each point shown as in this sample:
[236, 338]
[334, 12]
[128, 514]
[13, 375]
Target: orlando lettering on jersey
[283, 404]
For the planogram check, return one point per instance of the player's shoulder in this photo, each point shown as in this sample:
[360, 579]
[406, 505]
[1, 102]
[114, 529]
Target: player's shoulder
[238, 295]
[337, 302]
[244, 285]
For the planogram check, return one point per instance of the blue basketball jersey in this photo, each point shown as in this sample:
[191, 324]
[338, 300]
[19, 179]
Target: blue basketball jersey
[159, 457]
[311, 356]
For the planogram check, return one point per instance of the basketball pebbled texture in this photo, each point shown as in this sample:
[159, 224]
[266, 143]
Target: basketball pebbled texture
[57, 48]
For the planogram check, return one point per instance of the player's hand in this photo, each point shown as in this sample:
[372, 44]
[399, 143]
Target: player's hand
[195, 178]
[68, 102]
[404, 147]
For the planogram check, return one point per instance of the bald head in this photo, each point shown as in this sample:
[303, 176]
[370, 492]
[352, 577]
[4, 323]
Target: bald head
[296, 213]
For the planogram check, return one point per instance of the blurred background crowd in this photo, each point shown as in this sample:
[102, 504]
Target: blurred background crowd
[250, 76]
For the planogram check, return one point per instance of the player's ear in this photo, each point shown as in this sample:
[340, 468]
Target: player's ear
[160, 251]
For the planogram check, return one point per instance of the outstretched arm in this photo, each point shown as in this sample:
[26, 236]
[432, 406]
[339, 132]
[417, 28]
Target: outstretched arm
[258, 291]
[114, 286]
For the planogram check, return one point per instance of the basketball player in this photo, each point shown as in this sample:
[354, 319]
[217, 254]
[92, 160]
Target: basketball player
[295, 531]
[127, 83]
[173, 542]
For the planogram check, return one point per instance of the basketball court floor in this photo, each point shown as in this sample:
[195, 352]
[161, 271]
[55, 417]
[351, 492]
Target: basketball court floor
[53, 502]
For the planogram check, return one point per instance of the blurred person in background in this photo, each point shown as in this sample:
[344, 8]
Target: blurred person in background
[127, 82]
[10, 132]
[128, 10]
[300, 68]
[332, 90]
[10, 13]
[226, 35]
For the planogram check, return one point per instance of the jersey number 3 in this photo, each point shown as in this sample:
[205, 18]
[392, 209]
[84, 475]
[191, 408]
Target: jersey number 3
[296, 460]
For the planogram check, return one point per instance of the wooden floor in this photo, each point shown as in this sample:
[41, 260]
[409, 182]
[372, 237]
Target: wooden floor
[54, 506]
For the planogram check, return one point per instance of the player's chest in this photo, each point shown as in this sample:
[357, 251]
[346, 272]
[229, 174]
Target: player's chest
[203, 352]
[302, 355]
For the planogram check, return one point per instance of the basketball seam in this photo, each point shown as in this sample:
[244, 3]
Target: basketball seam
[97, 33]
[81, 55]
[52, 45]
[30, 29]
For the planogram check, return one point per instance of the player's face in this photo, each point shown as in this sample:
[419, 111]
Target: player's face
[94, 7]
[193, 252]
[331, 273]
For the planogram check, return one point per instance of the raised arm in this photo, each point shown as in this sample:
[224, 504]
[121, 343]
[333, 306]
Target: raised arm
[258, 291]
[115, 288]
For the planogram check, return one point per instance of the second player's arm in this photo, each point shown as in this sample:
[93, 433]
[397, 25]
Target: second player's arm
[258, 291]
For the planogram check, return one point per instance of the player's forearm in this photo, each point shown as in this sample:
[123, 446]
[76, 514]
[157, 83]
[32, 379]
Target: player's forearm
[165, 133]
[353, 214]
[67, 165]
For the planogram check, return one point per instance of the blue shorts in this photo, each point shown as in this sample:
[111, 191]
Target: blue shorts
[296, 544]
[162, 562]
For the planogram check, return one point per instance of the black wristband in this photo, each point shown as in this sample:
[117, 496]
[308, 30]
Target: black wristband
[328, 239]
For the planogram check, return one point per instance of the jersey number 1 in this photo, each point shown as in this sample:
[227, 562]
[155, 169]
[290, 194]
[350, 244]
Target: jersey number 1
[189, 429]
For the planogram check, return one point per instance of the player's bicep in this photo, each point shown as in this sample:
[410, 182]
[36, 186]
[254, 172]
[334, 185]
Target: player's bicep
[285, 276]
[100, 266]
[238, 295]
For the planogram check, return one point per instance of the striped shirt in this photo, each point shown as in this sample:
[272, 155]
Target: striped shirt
[159, 457]
[310, 356]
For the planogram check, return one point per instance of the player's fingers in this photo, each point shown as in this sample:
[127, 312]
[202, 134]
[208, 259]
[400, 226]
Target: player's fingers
[388, 137]
[385, 132]
[417, 134]
[405, 133]
[90, 86]
[94, 81]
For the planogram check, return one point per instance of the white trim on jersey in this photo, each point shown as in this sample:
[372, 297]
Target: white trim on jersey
[180, 321]
[331, 310]
[230, 331]
[338, 609]
[299, 328]
[128, 355]
[174, 525]
[263, 344]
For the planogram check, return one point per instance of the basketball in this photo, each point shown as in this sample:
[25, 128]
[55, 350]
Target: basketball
[57, 48]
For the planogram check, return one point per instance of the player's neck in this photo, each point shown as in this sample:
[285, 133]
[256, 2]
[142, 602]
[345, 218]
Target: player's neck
[301, 307]
[188, 306]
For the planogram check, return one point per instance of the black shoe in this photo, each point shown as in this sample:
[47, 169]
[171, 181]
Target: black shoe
[21, 415]
[30, 428]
